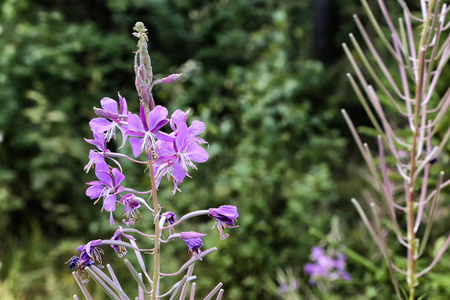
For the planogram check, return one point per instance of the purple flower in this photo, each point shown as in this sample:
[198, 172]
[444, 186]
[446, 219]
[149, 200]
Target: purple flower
[116, 118]
[224, 217]
[120, 250]
[108, 187]
[194, 241]
[339, 265]
[131, 208]
[73, 262]
[317, 252]
[146, 129]
[89, 254]
[286, 288]
[175, 157]
[97, 157]
[99, 141]
[97, 160]
[197, 127]
[170, 217]
[326, 266]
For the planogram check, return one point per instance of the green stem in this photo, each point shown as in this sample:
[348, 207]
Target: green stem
[157, 252]
[412, 241]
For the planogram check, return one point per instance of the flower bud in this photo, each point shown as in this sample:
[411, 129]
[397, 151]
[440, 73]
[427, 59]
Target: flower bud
[171, 78]
[102, 113]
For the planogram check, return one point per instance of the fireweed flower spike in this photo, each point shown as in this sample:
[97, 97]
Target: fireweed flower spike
[143, 68]
[224, 217]
[194, 241]
[108, 187]
[170, 154]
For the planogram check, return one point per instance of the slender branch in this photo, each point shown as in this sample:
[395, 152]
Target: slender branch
[436, 259]
[214, 291]
[431, 214]
[190, 262]
[81, 286]
[187, 216]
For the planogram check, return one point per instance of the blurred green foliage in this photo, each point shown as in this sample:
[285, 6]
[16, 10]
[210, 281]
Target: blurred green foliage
[278, 145]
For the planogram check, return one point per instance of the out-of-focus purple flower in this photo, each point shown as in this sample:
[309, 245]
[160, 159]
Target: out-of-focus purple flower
[194, 241]
[224, 217]
[326, 266]
[283, 289]
[286, 288]
[89, 254]
[131, 208]
[146, 129]
[120, 250]
[111, 117]
[108, 187]
[317, 252]
[340, 264]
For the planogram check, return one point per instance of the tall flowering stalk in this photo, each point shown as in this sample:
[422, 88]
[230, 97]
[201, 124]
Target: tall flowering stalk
[164, 154]
[409, 89]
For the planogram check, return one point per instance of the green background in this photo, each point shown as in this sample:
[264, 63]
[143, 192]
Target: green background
[267, 78]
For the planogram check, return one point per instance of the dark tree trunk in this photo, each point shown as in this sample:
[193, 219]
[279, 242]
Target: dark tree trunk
[325, 28]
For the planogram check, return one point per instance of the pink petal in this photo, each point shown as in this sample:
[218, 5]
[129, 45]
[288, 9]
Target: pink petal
[196, 128]
[119, 176]
[109, 104]
[197, 153]
[156, 118]
[136, 146]
[178, 117]
[135, 123]
[123, 105]
[105, 177]
[110, 203]
[94, 191]
[100, 125]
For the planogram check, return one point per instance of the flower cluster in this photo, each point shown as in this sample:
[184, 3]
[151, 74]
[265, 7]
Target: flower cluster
[170, 153]
[173, 154]
[325, 266]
